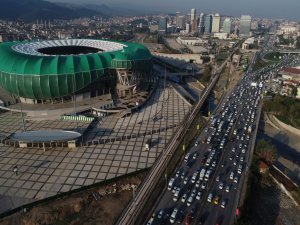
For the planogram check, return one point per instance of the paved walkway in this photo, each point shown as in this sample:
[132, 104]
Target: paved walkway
[44, 174]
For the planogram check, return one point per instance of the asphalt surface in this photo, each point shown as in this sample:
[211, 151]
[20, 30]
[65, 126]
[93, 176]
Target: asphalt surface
[238, 114]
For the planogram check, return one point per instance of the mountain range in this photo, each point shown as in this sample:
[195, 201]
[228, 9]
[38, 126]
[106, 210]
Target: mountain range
[30, 10]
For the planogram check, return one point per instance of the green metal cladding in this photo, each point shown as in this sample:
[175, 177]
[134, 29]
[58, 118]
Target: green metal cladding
[47, 77]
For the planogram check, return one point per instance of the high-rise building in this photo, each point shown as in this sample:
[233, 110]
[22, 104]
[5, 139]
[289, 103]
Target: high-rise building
[188, 18]
[207, 23]
[177, 18]
[245, 25]
[194, 25]
[181, 22]
[193, 15]
[227, 26]
[201, 24]
[162, 25]
[215, 28]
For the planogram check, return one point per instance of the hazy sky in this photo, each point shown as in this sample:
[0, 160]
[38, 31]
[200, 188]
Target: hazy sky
[289, 9]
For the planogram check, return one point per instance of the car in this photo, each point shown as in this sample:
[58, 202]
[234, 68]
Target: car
[231, 175]
[242, 159]
[243, 151]
[151, 220]
[235, 162]
[240, 145]
[194, 191]
[203, 185]
[227, 189]
[213, 164]
[160, 214]
[218, 178]
[209, 198]
[195, 155]
[236, 180]
[231, 157]
[216, 200]
[198, 183]
[184, 197]
[223, 204]
[240, 167]
[177, 173]
[197, 143]
[221, 185]
[186, 180]
[175, 189]
[187, 156]
[173, 215]
[188, 219]
[233, 149]
[180, 216]
[190, 201]
[198, 196]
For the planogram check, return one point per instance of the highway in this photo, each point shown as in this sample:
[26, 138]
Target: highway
[225, 148]
[147, 187]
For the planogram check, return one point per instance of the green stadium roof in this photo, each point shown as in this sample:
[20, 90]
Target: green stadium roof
[28, 73]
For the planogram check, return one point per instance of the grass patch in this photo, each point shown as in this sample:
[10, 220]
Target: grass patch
[273, 56]
[284, 119]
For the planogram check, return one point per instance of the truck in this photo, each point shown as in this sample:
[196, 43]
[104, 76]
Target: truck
[202, 173]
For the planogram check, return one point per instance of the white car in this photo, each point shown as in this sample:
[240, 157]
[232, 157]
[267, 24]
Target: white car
[190, 201]
[227, 189]
[221, 185]
[236, 180]
[223, 204]
[198, 197]
[184, 196]
[186, 180]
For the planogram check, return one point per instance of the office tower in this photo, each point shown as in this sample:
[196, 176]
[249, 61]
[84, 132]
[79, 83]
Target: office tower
[201, 24]
[215, 23]
[193, 15]
[181, 22]
[162, 25]
[245, 25]
[177, 18]
[207, 23]
[227, 26]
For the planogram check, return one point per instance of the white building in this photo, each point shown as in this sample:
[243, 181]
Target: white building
[189, 41]
[221, 36]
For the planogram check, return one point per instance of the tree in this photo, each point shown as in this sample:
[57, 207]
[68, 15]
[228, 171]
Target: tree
[266, 151]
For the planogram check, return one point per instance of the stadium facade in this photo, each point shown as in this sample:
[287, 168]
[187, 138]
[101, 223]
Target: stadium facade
[44, 71]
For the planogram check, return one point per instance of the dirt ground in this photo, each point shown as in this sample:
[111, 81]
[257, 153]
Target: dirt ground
[81, 208]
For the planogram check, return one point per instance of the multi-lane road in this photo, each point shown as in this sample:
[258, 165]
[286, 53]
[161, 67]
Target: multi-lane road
[223, 153]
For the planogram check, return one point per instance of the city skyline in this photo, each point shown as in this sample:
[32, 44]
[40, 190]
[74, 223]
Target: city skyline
[280, 10]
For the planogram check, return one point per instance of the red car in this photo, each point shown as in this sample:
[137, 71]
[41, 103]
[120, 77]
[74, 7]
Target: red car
[188, 219]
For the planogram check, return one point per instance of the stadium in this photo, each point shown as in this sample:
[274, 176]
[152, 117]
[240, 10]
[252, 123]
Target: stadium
[57, 70]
